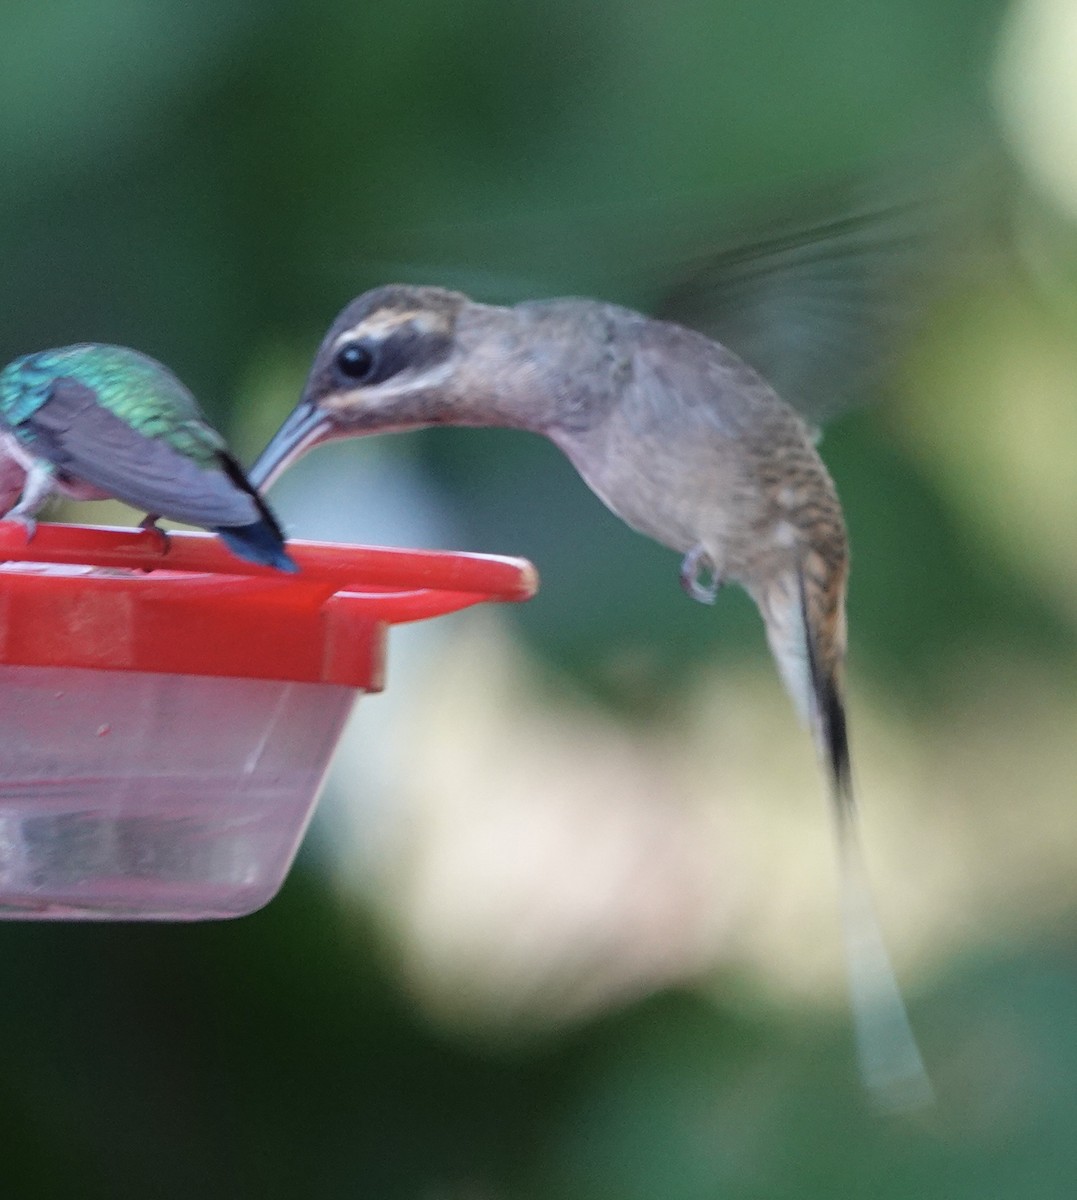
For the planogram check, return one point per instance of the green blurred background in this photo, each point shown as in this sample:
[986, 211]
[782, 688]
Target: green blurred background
[564, 925]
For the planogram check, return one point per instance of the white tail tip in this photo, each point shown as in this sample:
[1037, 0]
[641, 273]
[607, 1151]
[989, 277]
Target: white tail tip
[890, 1061]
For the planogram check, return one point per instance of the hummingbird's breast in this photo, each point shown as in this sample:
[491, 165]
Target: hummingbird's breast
[755, 495]
[679, 437]
[669, 479]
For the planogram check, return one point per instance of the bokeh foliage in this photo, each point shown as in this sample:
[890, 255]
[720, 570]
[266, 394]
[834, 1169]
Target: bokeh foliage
[210, 180]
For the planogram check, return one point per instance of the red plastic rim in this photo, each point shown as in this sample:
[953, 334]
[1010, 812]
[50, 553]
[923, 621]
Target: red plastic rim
[117, 599]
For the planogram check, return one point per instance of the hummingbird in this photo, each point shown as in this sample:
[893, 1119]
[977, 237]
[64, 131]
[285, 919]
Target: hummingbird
[94, 422]
[688, 445]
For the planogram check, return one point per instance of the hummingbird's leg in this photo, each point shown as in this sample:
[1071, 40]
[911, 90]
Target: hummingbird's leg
[697, 563]
[149, 523]
[36, 490]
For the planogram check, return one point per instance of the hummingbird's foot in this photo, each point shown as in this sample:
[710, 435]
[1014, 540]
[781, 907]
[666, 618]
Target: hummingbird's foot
[28, 522]
[149, 523]
[698, 563]
[36, 489]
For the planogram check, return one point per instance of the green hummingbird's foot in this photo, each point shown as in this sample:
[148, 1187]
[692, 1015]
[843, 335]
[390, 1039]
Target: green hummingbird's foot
[37, 488]
[698, 563]
[24, 519]
[149, 524]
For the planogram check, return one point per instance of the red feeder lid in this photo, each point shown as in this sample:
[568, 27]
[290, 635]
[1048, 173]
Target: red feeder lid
[116, 599]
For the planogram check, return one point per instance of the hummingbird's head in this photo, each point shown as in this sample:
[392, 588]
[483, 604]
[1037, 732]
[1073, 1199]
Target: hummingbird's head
[385, 365]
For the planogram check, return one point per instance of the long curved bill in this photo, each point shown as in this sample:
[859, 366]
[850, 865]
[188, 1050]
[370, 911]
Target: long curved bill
[304, 428]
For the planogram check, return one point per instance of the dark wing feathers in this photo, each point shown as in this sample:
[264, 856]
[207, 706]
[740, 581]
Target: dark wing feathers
[235, 472]
[86, 442]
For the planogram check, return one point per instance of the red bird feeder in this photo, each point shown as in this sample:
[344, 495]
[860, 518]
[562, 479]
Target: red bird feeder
[167, 715]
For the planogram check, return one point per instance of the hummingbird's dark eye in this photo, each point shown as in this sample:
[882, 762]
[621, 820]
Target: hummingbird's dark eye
[355, 361]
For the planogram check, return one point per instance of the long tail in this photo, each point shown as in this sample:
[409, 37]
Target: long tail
[890, 1060]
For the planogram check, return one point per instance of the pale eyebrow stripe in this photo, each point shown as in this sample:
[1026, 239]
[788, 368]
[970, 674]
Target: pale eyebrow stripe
[386, 322]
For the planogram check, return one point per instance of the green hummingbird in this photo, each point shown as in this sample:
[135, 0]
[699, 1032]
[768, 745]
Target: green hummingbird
[94, 422]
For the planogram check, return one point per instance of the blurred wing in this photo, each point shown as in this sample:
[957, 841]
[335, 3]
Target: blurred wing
[823, 305]
[88, 443]
[714, 390]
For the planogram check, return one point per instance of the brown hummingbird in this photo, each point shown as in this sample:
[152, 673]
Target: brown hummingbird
[687, 444]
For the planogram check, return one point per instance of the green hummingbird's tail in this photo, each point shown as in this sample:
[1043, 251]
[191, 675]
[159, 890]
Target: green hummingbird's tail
[890, 1060]
[259, 543]
[262, 541]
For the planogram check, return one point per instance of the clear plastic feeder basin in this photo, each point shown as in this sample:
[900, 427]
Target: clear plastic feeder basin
[167, 715]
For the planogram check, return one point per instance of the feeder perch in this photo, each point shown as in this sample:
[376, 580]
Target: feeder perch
[167, 715]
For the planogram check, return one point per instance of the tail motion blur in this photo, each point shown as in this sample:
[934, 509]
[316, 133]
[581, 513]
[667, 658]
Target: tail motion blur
[890, 1060]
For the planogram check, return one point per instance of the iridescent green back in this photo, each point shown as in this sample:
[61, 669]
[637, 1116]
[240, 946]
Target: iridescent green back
[132, 386]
